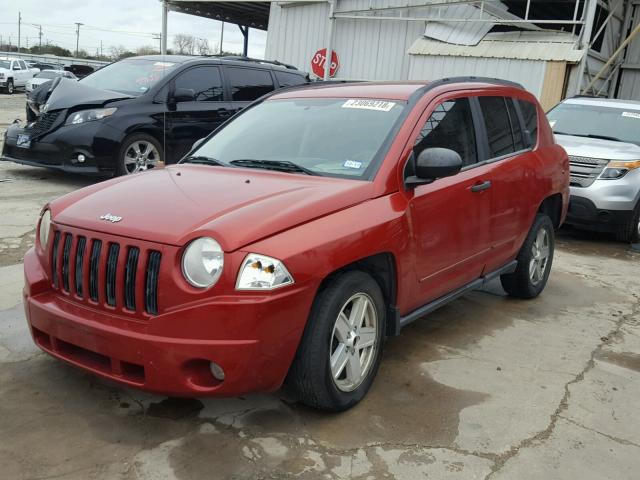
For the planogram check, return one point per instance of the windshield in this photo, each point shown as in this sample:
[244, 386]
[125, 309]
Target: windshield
[5, 63]
[332, 137]
[131, 76]
[613, 123]
[48, 74]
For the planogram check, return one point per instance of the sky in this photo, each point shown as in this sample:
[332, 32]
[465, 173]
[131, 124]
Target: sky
[129, 23]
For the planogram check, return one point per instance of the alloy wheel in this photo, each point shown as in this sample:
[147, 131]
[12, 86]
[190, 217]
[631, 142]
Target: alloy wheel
[354, 342]
[539, 256]
[140, 156]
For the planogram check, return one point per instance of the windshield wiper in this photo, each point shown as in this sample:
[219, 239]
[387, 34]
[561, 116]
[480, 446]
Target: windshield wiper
[590, 135]
[202, 160]
[279, 165]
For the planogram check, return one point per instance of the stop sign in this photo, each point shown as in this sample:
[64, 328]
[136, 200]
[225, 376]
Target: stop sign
[318, 61]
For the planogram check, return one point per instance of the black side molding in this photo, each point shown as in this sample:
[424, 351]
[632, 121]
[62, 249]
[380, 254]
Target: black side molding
[396, 322]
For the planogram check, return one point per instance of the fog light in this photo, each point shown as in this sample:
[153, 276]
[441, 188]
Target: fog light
[216, 371]
[81, 158]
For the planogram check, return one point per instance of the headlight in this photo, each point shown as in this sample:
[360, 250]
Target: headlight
[89, 115]
[202, 262]
[259, 272]
[618, 169]
[45, 228]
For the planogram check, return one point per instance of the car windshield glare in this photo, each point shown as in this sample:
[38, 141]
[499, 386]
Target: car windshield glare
[337, 137]
[596, 121]
[5, 64]
[131, 76]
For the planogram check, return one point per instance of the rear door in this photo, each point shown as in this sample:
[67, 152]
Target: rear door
[187, 122]
[513, 168]
[451, 215]
[247, 84]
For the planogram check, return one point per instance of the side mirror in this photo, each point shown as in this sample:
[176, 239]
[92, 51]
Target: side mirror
[434, 163]
[16, 67]
[183, 95]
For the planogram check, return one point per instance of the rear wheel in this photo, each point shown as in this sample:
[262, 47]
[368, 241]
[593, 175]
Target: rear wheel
[534, 261]
[341, 348]
[630, 231]
[139, 152]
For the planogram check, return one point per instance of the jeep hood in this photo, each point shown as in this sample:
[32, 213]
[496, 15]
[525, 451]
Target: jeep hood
[71, 93]
[598, 148]
[236, 206]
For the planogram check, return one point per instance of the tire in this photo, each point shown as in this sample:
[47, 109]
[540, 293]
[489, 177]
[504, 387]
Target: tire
[134, 158]
[629, 232]
[311, 377]
[10, 87]
[533, 268]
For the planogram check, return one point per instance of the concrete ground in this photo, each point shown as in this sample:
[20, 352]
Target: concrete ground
[485, 388]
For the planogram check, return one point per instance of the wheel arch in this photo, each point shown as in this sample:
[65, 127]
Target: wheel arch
[552, 207]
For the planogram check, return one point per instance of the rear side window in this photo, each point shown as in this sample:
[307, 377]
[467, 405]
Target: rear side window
[450, 126]
[516, 130]
[248, 84]
[496, 120]
[23, 65]
[530, 116]
[204, 81]
[286, 79]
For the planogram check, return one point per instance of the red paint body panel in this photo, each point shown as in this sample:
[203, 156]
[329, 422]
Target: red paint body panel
[441, 236]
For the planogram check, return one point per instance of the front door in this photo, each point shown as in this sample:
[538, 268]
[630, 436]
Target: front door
[189, 121]
[451, 215]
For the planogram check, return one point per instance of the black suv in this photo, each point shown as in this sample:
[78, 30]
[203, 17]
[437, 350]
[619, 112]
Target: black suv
[138, 112]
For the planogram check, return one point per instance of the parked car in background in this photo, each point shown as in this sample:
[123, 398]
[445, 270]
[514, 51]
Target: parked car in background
[139, 112]
[46, 66]
[14, 73]
[46, 76]
[296, 237]
[602, 138]
[80, 71]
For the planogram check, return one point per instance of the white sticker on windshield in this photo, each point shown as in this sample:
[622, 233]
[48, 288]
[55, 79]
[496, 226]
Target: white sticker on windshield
[352, 164]
[631, 114]
[379, 105]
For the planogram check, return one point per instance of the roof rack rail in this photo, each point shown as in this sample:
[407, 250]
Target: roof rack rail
[494, 81]
[258, 60]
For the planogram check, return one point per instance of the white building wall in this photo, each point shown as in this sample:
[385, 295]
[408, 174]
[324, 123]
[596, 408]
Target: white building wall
[529, 73]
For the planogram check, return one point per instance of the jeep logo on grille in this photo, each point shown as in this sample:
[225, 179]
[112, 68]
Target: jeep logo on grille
[110, 218]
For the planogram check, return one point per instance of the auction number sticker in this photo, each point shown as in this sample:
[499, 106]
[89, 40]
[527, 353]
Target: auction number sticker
[631, 114]
[379, 105]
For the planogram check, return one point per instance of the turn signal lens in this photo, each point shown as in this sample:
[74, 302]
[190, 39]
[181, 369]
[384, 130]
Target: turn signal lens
[628, 165]
[259, 272]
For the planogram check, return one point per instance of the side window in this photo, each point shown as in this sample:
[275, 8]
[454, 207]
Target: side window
[248, 84]
[450, 126]
[23, 65]
[204, 81]
[15, 65]
[530, 115]
[286, 79]
[516, 130]
[496, 120]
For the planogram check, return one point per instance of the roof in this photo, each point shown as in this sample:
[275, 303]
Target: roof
[604, 102]
[252, 14]
[232, 60]
[553, 46]
[401, 91]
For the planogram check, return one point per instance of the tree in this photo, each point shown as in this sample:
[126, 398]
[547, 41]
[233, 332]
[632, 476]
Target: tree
[203, 46]
[147, 50]
[185, 44]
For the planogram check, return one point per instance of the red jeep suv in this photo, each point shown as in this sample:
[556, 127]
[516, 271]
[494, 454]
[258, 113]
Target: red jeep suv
[291, 241]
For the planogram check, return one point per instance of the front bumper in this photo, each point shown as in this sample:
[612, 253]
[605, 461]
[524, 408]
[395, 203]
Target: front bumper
[253, 338]
[584, 213]
[60, 147]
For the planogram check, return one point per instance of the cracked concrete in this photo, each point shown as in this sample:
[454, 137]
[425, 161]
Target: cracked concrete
[485, 388]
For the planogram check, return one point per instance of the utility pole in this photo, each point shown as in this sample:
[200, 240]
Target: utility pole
[40, 41]
[100, 48]
[158, 36]
[19, 25]
[78, 24]
[221, 37]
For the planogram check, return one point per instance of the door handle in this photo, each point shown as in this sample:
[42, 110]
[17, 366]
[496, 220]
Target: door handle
[478, 187]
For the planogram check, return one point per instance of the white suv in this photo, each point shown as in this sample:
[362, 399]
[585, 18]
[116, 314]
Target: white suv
[14, 73]
[602, 138]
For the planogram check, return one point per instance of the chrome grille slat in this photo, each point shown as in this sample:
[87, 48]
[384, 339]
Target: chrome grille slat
[585, 170]
[66, 256]
[110, 284]
[79, 274]
[151, 283]
[130, 278]
[94, 264]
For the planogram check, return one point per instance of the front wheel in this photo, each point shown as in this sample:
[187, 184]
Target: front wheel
[341, 348]
[139, 152]
[534, 261]
[10, 87]
[630, 231]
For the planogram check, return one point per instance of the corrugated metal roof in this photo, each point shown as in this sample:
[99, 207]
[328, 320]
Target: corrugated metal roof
[554, 46]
